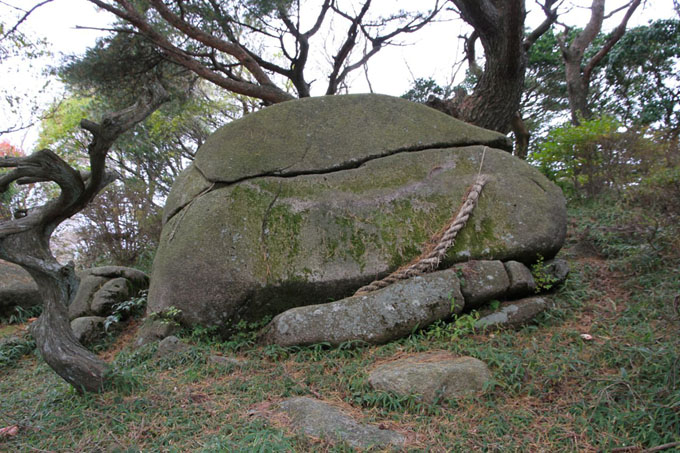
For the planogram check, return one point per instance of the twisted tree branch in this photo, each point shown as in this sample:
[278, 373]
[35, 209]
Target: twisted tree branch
[25, 240]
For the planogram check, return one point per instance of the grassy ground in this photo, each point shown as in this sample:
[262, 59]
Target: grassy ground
[552, 390]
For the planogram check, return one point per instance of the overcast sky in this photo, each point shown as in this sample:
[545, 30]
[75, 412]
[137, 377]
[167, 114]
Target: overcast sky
[432, 52]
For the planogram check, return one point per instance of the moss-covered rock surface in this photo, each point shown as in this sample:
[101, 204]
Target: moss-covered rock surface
[303, 202]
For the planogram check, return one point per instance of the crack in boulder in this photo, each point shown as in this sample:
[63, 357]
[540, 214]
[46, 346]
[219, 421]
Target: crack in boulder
[343, 166]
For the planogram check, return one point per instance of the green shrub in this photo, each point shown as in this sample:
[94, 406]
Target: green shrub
[598, 154]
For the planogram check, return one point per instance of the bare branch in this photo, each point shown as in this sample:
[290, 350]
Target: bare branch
[341, 69]
[470, 54]
[582, 40]
[17, 128]
[347, 46]
[196, 33]
[550, 18]
[23, 19]
[268, 93]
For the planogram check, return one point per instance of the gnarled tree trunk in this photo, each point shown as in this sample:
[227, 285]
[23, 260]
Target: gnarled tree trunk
[500, 26]
[495, 101]
[24, 240]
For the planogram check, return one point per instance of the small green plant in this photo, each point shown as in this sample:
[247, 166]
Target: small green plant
[544, 279]
[465, 324]
[460, 326]
[20, 315]
[170, 315]
[275, 353]
[245, 334]
[12, 350]
[125, 309]
[452, 300]
[204, 334]
[461, 276]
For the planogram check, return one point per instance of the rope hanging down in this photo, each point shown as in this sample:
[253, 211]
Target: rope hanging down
[429, 260]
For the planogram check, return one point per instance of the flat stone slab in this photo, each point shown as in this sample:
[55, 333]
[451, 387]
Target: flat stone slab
[319, 419]
[432, 375]
[377, 317]
[513, 314]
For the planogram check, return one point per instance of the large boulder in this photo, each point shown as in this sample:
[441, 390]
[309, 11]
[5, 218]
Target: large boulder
[17, 288]
[305, 201]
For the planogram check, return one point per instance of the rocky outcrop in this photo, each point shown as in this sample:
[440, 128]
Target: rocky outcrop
[17, 289]
[483, 281]
[521, 280]
[305, 201]
[432, 376]
[88, 328]
[102, 287]
[154, 330]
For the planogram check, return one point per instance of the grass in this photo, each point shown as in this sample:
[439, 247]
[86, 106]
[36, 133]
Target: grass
[551, 389]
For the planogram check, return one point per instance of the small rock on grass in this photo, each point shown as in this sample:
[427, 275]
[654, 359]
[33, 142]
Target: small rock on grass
[559, 269]
[319, 419]
[513, 314]
[87, 328]
[431, 375]
[227, 361]
[153, 330]
[171, 346]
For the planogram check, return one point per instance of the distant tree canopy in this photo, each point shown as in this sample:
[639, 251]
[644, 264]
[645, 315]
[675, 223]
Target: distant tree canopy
[263, 48]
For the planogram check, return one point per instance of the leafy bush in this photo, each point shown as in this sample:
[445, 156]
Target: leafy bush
[596, 155]
[659, 190]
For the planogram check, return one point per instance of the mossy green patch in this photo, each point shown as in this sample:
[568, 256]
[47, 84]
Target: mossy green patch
[281, 241]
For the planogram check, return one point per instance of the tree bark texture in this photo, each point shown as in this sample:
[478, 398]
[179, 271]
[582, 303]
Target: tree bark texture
[25, 240]
[577, 73]
[52, 332]
[522, 136]
[500, 26]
